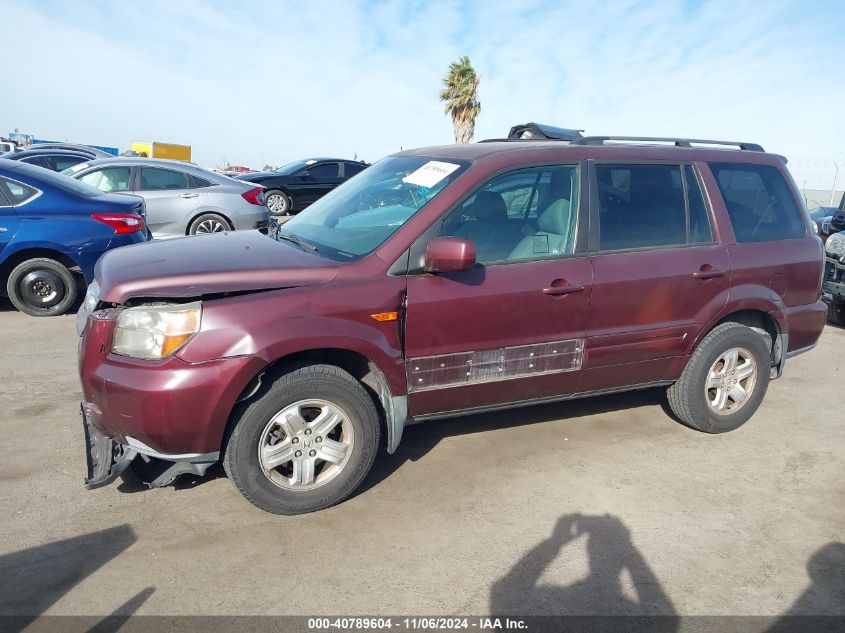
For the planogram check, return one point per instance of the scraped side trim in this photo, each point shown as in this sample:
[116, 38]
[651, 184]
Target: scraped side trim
[502, 363]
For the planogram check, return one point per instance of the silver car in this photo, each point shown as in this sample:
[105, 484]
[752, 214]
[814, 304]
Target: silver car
[181, 199]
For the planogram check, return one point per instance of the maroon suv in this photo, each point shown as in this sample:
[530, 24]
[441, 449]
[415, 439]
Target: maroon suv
[446, 281]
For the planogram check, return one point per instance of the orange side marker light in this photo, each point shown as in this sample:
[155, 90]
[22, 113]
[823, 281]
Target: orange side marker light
[385, 316]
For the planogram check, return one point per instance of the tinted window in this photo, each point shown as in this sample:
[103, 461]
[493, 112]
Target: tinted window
[353, 168]
[700, 230]
[524, 214]
[153, 179]
[40, 161]
[640, 206]
[323, 170]
[759, 202]
[108, 179]
[63, 162]
[16, 192]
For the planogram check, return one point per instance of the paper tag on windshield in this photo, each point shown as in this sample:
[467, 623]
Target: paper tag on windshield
[430, 174]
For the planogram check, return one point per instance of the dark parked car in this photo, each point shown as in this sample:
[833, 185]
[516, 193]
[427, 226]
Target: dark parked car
[296, 185]
[52, 231]
[52, 159]
[501, 275]
[822, 216]
[93, 152]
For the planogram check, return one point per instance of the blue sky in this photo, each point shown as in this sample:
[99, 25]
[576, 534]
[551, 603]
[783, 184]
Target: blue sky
[258, 82]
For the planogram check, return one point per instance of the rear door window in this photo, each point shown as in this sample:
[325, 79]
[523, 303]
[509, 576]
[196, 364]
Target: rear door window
[154, 179]
[640, 206]
[324, 170]
[108, 179]
[60, 163]
[759, 202]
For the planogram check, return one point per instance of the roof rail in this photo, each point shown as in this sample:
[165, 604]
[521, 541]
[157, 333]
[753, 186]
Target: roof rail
[678, 142]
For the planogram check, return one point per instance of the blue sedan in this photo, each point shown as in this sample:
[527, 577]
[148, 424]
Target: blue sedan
[53, 229]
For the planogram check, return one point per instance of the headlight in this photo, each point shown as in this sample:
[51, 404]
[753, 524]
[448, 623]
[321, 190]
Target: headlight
[835, 245]
[154, 332]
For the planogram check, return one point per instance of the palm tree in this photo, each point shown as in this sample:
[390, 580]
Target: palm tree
[461, 98]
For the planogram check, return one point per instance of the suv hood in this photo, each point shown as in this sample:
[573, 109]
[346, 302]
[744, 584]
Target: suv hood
[207, 264]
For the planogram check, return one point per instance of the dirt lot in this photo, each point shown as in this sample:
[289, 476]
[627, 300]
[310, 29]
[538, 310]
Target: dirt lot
[596, 506]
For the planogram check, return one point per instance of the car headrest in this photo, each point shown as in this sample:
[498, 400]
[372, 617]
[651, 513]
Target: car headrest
[489, 206]
[555, 219]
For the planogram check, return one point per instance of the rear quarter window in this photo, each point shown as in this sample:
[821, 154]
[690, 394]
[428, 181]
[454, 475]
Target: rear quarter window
[759, 202]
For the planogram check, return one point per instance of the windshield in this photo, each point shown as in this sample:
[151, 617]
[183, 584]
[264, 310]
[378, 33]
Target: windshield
[295, 166]
[357, 217]
[39, 174]
[821, 212]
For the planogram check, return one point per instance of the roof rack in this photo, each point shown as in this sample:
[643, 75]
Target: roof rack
[678, 142]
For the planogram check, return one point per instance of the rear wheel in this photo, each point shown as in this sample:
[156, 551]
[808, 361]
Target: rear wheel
[278, 203]
[724, 382]
[41, 287]
[306, 444]
[209, 223]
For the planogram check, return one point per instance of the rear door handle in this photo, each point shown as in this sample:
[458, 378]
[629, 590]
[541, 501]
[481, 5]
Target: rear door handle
[561, 287]
[708, 272]
[190, 195]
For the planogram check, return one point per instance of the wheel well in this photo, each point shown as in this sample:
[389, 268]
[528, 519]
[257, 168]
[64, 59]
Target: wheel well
[357, 365]
[762, 323]
[215, 212]
[31, 253]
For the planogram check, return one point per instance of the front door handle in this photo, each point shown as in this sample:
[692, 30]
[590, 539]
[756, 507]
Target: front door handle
[190, 195]
[708, 272]
[561, 287]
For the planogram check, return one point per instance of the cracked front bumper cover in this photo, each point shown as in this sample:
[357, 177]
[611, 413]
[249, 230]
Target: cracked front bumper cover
[106, 460]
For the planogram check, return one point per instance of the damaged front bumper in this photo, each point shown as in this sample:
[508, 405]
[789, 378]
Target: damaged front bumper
[107, 459]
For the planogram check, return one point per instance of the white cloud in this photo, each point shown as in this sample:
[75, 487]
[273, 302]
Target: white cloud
[269, 82]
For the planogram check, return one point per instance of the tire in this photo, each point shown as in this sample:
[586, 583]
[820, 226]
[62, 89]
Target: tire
[209, 223]
[42, 287]
[278, 202]
[256, 427]
[691, 402]
[836, 314]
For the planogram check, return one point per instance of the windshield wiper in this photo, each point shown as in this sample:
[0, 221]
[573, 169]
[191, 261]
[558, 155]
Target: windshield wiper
[290, 237]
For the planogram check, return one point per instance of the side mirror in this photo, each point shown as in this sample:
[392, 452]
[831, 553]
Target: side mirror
[449, 255]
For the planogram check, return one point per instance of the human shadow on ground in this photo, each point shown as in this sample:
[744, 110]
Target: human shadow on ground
[615, 565]
[825, 596]
[33, 579]
[419, 439]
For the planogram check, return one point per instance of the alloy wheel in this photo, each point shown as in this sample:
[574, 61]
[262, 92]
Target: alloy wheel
[210, 226]
[306, 445]
[731, 381]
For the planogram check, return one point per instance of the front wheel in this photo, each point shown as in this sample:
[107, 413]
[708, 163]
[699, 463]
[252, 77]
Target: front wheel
[724, 382]
[306, 444]
[41, 287]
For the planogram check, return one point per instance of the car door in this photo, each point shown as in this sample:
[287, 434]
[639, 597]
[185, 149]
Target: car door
[660, 274]
[11, 193]
[317, 180]
[171, 200]
[512, 328]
